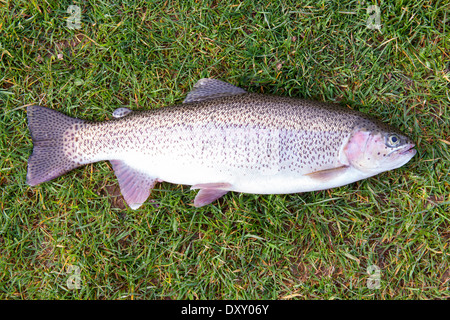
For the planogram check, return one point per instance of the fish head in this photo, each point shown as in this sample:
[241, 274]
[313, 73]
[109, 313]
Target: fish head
[376, 150]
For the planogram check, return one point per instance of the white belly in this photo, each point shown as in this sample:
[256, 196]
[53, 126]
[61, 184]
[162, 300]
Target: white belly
[270, 181]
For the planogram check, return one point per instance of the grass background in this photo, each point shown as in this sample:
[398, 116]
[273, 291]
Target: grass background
[148, 54]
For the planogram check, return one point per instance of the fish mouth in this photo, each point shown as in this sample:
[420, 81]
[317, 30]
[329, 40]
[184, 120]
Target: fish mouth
[408, 149]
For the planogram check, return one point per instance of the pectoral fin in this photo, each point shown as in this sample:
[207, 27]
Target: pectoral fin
[209, 192]
[328, 174]
[135, 186]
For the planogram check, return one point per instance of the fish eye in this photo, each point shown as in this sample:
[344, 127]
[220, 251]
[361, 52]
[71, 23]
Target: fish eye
[393, 140]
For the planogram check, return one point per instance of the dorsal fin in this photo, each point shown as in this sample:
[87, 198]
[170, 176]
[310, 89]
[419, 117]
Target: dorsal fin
[206, 89]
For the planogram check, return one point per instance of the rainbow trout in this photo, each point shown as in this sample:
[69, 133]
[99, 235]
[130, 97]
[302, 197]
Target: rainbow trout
[220, 139]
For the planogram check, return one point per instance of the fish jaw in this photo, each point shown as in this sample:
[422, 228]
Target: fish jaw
[403, 156]
[409, 150]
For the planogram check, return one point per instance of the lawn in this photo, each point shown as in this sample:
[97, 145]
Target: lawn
[386, 237]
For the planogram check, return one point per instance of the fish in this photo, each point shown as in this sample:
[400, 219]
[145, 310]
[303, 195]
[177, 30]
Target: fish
[220, 139]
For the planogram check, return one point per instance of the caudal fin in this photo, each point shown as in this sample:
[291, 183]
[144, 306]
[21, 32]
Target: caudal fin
[47, 129]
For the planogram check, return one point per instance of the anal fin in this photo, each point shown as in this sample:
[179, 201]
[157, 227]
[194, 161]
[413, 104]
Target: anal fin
[209, 192]
[135, 185]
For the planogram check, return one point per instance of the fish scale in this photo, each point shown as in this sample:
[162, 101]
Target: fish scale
[223, 139]
[207, 124]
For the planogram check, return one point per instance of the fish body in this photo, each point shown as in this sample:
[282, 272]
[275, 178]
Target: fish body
[221, 139]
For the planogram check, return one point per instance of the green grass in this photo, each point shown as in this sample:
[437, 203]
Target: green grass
[316, 245]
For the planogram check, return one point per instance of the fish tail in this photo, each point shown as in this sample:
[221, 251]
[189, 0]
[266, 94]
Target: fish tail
[47, 128]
